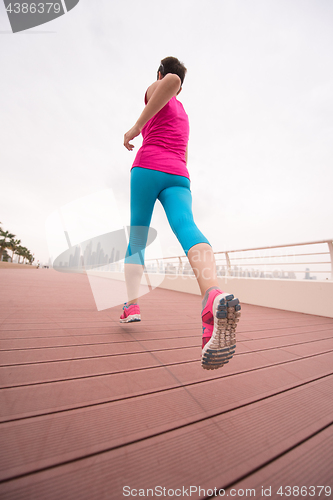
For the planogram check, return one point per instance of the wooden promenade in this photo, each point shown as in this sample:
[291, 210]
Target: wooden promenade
[94, 409]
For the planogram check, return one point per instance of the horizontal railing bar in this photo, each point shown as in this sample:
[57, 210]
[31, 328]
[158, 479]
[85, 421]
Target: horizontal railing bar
[271, 271]
[277, 246]
[242, 263]
[284, 263]
[257, 248]
[268, 271]
[279, 256]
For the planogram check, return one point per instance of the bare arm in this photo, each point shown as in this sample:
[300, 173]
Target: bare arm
[162, 92]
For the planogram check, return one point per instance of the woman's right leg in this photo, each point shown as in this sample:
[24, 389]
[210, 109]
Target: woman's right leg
[221, 311]
[177, 203]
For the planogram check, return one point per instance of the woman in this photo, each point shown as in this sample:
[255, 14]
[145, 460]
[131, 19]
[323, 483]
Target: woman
[160, 172]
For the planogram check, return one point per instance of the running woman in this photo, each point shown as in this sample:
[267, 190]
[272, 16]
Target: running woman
[159, 172]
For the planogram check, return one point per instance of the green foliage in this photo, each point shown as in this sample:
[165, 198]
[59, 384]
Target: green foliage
[7, 241]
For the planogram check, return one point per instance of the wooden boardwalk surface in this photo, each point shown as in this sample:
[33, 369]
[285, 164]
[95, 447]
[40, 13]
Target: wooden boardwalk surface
[89, 406]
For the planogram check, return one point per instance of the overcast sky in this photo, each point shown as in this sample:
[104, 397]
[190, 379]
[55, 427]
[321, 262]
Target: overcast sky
[258, 93]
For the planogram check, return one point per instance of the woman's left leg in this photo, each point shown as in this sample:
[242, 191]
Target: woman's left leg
[144, 192]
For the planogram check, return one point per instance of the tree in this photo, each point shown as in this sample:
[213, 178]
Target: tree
[5, 235]
[13, 245]
[7, 241]
[25, 254]
[20, 252]
[30, 258]
[5, 256]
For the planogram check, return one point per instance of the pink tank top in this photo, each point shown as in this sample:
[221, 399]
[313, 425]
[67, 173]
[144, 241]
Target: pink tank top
[165, 138]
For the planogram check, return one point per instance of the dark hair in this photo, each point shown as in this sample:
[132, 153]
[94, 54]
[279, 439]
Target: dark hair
[172, 65]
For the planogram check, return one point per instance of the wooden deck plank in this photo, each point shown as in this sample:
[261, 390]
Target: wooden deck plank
[240, 440]
[62, 353]
[321, 331]
[39, 373]
[92, 405]
[308, 465]
[88, 430]
[22, 402]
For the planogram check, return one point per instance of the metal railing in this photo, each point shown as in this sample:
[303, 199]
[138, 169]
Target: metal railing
[310, 260]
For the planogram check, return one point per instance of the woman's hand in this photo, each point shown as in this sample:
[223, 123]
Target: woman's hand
[164, 90]
[131, 134]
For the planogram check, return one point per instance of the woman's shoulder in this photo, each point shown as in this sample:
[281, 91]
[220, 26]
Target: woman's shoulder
[151, 89]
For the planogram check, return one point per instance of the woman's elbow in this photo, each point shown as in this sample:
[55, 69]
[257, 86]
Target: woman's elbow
[174, 81]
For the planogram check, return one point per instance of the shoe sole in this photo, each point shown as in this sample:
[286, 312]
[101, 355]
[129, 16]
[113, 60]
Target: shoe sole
[131, 319]
[221, 347]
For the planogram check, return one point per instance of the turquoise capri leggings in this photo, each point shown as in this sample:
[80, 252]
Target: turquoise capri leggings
[173, 191]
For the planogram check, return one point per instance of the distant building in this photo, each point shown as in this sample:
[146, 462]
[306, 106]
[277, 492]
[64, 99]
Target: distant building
[307, 275]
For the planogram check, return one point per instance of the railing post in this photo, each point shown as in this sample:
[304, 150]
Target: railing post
[227, 258]
[330, 247]
[180, 268]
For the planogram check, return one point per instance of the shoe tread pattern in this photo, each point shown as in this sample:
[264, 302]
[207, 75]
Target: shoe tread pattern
[221, 346]
[131, 319]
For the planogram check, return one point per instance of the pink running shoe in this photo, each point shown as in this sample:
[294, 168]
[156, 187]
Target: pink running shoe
[131, 313]
[219, 320]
